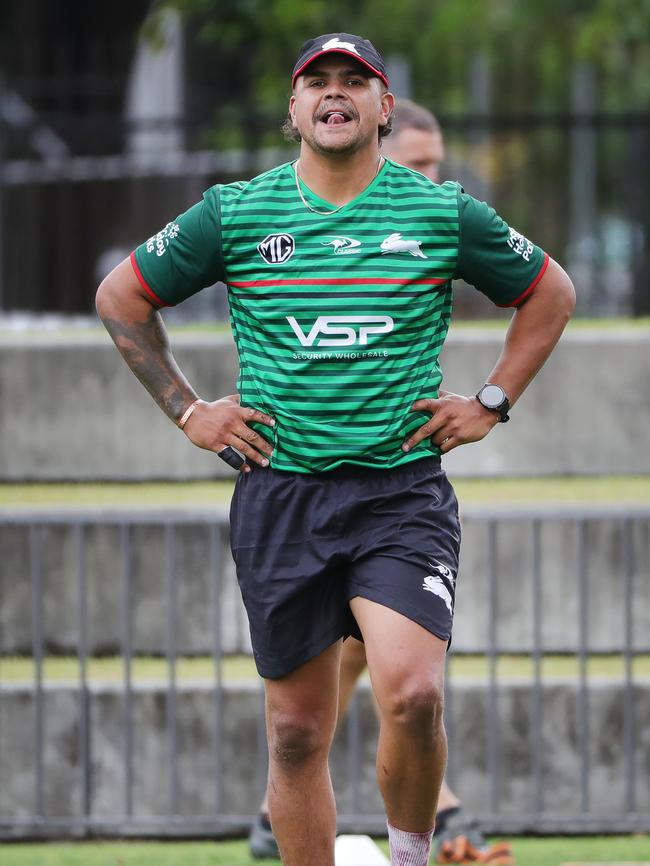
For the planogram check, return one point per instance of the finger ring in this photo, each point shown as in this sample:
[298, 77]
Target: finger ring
[446, 439]
[231, 457]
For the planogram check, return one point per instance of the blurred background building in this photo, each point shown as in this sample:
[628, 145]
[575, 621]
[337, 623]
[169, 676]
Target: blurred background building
[115, 117]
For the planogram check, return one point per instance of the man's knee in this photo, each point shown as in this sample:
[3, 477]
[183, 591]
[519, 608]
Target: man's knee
[417, 705]
[294, 741]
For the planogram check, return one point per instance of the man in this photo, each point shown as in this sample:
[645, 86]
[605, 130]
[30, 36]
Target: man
[415, 141]
[339, 270]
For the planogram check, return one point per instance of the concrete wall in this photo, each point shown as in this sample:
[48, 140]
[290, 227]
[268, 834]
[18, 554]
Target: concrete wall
[240, 782]
[78, 413]
[603, 545]
[72, 410]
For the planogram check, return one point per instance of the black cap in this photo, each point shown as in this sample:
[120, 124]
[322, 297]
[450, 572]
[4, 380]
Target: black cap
[343, 43]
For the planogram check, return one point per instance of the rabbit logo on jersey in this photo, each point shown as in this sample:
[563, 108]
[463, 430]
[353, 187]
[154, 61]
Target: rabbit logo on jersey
[395, 243]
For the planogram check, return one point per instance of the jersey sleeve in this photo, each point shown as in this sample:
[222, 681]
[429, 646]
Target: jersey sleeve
[495, 258]
[185, 256]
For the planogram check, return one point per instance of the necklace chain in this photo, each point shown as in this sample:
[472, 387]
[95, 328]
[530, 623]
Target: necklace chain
[315, 210]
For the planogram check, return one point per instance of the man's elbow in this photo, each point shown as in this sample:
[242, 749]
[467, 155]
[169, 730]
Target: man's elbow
[120, 292]
[104, 298]
[557, 292]
[101, 299]
[568, 296]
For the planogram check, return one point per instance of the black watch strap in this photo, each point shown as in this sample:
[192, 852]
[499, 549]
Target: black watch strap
[494, 398]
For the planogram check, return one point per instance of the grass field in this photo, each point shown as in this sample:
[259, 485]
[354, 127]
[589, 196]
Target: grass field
[151, 670]
[528, 852]
[603, 490]
[92, 328]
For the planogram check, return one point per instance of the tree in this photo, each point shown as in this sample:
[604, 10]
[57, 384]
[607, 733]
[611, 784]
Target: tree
[245, 50]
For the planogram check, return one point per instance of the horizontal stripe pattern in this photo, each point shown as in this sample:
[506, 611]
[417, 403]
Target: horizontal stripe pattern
[338, 345]
[339, 281]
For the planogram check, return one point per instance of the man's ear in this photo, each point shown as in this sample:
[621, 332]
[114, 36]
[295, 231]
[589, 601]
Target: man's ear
[387, 107]
[292, 109]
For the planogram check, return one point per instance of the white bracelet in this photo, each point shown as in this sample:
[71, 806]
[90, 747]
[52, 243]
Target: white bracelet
[186, 414]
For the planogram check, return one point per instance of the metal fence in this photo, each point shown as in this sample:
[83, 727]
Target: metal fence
[26, 807]
[104, 137]
[576, 184]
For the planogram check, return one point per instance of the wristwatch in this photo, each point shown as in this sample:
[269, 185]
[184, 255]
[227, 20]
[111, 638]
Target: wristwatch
[493, 397]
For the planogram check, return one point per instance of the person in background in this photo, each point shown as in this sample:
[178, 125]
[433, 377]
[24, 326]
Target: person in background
[416, 139]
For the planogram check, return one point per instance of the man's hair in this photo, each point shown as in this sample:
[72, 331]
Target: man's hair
[410, 115]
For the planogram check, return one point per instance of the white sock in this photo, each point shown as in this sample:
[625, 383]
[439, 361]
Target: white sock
[409, 849]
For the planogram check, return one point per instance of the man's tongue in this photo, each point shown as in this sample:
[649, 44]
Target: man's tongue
[334, 119]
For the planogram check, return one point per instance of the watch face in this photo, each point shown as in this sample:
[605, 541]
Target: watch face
[492, 396]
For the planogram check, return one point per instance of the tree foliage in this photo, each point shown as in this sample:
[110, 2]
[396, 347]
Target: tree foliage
[528, 53]
[530, 45]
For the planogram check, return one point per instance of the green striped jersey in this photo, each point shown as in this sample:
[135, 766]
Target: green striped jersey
[339, 318]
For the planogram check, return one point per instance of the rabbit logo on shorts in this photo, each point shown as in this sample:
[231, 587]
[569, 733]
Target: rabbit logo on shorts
[434, 583]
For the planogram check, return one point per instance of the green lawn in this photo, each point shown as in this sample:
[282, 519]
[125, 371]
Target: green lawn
[94, 329]
[528, 852]
[151, 670]
[603, 490]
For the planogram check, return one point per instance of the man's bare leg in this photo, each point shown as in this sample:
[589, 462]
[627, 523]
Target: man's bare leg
[406, 665]
[353, 664]
[466, 838]
[301, 711]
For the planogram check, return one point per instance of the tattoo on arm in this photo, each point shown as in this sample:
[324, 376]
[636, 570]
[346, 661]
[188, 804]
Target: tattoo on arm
[145, 347]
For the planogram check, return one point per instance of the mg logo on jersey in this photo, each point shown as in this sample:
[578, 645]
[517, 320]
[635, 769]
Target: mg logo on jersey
[342, 330]
[276, 249]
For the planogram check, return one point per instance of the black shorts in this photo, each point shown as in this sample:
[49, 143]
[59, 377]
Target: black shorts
[304, 545]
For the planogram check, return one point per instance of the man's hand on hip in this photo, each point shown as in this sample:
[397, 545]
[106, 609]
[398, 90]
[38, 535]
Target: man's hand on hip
[215, 426]
[455, 420]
